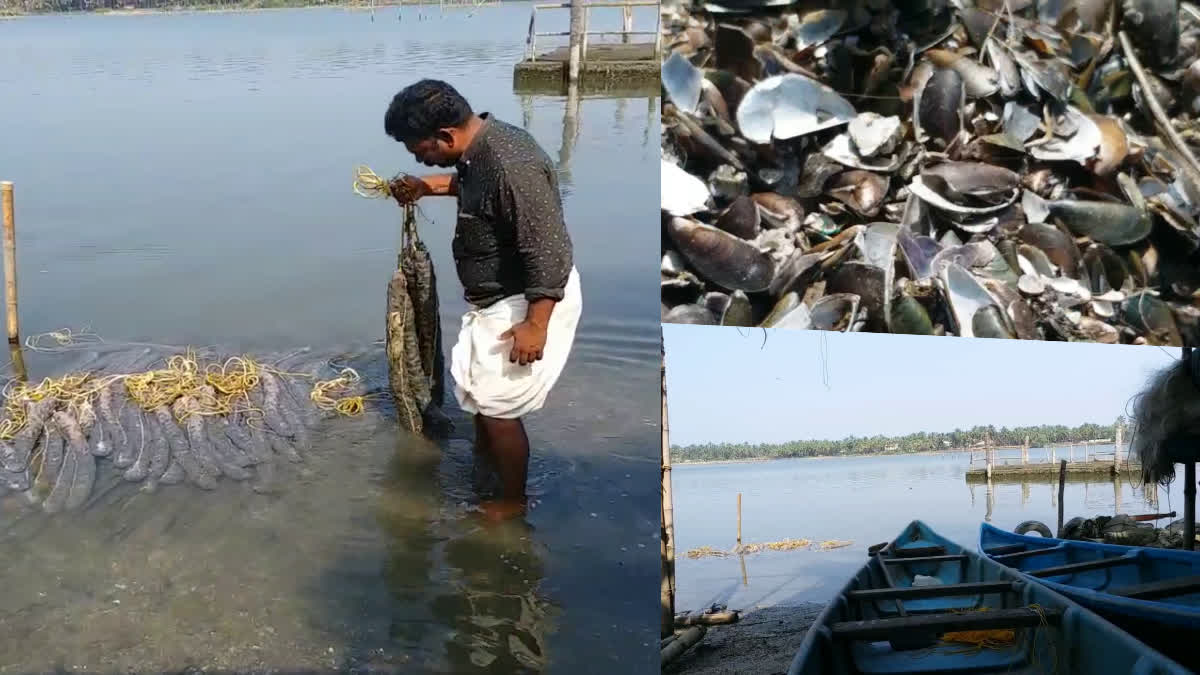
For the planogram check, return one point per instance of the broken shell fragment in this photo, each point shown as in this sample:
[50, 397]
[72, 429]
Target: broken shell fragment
[872, 135]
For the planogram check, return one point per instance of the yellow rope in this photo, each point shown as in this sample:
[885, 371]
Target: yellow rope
[371, 185]
[63, 338]
[347, 405]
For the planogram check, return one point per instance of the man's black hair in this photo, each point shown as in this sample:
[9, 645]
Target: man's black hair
[420, 109]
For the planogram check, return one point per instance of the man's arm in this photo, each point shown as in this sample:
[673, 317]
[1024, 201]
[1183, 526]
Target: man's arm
[433, 185]
[441, 184]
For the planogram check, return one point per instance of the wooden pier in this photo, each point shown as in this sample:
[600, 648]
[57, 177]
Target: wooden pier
[988, 463]
[595, 64]
[1004, 473]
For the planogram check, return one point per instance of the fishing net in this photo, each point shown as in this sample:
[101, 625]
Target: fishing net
[161, 416]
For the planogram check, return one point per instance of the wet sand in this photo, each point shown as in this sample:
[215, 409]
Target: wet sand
[763, 642]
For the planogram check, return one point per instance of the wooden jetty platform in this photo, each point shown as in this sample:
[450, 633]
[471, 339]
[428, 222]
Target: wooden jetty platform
[1083, 459]
[1005, 473]
[633, 60]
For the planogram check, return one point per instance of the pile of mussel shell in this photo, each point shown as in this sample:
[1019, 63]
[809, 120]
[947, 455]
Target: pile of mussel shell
[980, 168]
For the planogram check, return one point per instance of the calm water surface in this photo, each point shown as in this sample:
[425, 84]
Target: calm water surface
[186, 179]
[866, 500]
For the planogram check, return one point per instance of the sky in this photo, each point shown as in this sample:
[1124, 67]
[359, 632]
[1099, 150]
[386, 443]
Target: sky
[725, 385]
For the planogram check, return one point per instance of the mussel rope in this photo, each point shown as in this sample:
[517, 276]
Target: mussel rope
[369, 184]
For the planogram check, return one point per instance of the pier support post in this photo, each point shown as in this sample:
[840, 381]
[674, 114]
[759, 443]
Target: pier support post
[575, 48]
[626, 23]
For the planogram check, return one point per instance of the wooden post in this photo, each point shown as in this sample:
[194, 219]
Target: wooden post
[745, 578]
[1025, 451]
[739, 539]
[988, 460]
[668, 513]
[10, 261]
[1062, 485]
[626, 22]
[587, 20]
[575, 48]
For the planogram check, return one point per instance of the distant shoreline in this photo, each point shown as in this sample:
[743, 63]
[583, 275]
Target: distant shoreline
[675, 462]
[215, 8]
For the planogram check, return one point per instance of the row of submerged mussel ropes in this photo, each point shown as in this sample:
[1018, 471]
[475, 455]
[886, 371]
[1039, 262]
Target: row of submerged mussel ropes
[186, 422]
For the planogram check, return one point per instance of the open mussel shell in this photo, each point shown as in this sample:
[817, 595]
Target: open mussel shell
[909, 317]
[1152, 317]
[739, 312]
[690, 313]
[969, 305]
[919, 252]
[939, 110]
[1058, 247]
[800, 270]
[988, 322]
[788, 312]
[721, 258]
[1105, 269]
[815, 27]
[791, 105]
[741, 219]
[866, 283]
[1019, 315]
[862, 191]
[837, 312]
[1106, 222]
[778, 211]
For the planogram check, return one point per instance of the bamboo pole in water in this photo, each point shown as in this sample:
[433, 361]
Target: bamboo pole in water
[668, 512]
[10, 261]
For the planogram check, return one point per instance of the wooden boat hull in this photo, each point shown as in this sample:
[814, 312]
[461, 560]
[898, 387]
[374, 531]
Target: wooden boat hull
[1152, 593]
[911, 606]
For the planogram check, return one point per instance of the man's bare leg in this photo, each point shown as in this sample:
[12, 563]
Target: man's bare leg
[508, 447]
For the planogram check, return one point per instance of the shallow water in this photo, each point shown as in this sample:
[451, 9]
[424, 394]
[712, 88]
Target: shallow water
[865, 500]
[185, 179]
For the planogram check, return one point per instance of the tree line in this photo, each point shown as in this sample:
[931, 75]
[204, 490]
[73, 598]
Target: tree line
[12, 7]
[1039, 436]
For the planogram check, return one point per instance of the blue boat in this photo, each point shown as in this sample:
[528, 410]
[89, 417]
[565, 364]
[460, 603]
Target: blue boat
[1153, 593]
[923, 604]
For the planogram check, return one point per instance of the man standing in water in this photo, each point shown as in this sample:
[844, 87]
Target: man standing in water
[514, 259]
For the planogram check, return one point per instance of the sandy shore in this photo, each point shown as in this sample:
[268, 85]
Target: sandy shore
[763, 642]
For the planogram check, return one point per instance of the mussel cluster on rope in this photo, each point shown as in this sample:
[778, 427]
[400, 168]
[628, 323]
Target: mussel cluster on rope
[989, 168]
[416, 366]
[184, 420]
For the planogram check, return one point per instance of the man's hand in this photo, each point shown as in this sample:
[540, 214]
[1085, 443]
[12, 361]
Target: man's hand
[408, 189]
[529, 339]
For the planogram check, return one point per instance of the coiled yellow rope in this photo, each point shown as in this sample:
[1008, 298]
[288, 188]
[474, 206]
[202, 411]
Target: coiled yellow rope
[347, 405]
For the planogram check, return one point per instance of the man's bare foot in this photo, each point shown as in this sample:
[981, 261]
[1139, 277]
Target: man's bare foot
[499, 510]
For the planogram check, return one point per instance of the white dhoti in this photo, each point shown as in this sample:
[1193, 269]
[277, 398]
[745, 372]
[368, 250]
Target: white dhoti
[485, 381]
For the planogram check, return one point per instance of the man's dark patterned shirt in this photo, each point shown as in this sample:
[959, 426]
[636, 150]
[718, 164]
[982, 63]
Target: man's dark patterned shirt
[510, 238]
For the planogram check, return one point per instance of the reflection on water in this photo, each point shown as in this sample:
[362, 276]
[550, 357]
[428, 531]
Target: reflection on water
[867, 500]
[186, 179]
